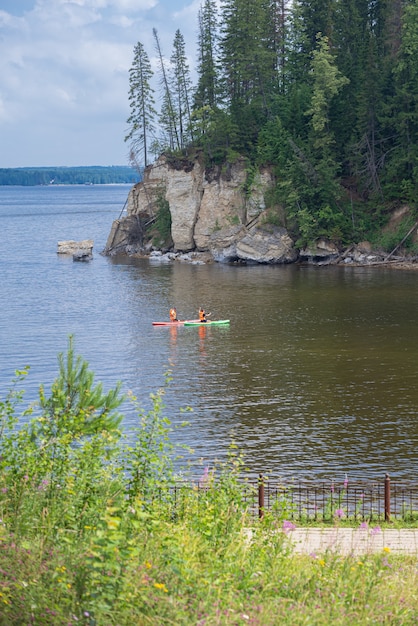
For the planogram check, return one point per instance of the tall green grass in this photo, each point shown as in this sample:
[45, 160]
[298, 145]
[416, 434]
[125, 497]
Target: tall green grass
[92, 534]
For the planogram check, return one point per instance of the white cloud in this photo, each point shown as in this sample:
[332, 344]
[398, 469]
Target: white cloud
[64, 67]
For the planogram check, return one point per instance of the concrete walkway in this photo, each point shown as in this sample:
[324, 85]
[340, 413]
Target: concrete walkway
[363, 540]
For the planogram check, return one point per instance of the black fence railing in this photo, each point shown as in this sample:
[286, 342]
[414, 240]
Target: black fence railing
[317, 501]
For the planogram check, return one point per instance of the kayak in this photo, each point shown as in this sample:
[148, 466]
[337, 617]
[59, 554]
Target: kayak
[208, 323]
[179, 323]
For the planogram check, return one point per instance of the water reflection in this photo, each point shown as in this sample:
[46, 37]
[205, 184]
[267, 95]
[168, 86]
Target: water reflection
[315, 374]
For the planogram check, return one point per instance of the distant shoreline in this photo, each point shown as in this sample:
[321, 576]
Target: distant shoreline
[82, 175]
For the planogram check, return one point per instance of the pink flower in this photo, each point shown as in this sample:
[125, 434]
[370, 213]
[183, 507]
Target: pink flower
[204, 478]
[288, 526]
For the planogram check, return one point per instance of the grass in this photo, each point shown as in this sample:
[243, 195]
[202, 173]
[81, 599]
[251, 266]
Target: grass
[91, 534]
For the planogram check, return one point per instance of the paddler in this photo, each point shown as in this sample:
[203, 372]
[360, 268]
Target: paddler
[173, 315]
[202, 315]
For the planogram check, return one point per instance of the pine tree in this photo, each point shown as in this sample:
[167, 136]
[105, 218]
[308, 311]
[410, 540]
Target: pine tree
[182, 89]
[249, 65]
[207, 91]
[402, 164]
[168, 115]
[141, 102]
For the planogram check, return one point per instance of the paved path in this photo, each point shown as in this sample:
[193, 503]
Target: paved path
[354, 540]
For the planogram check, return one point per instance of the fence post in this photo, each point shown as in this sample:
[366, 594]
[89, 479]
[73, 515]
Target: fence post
[387, 498]
[260, 496]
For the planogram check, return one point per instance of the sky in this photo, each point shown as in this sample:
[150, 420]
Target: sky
[64, 75]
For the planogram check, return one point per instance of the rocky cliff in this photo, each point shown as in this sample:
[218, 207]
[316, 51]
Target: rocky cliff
[221, 212]
[221, 215]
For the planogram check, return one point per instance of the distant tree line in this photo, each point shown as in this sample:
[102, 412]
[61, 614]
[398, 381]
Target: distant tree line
[88, 175]
[323, 91]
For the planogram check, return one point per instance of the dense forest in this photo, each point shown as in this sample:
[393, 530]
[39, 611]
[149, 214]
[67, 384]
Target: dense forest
[88, 175]
[323, 91]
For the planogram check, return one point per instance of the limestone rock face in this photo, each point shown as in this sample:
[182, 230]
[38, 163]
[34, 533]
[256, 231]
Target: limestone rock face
[237, 243]
[222, 204]
[319, 252]
[184, 194]
[267, 247]
[212, 211]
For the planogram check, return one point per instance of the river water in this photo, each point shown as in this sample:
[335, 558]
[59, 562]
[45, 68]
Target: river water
[315, 377]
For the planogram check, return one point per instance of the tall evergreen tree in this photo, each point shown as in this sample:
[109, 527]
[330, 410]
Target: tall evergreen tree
[141, 102]
[249, 65]
[207, 91]
[182, 89]
[168, 116]
[402, 163]
[312, 191]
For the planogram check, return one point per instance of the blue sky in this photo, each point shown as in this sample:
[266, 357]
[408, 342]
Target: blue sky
[64, 74]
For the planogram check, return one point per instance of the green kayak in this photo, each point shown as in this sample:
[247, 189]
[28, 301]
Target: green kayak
[208, 323]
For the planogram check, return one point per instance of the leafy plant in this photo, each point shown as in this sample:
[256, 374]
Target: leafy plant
[162, 223]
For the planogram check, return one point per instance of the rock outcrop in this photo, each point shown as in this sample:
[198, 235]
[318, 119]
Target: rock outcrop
[80, 248]
[221, 212]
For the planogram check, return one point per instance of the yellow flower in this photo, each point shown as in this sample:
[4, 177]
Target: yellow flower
[321, 562]
[112, 524]
[161, 586]
[148, 565]
[359, 562]
[386, 549]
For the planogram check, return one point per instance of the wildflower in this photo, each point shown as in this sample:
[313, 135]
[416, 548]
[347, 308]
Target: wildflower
[321, 562]
[161, 586]
[375, 531]
[112, 524]
[288, 526]
[339, 513]
[148, 565]
[386, 549]
[204, 478]
[364, 526]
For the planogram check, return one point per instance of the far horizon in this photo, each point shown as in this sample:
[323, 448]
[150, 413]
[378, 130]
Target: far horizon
[41, 167]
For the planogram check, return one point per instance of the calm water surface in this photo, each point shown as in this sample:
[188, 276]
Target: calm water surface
[316, 376]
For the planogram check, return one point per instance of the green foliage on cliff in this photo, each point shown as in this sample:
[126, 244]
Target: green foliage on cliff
[160, 231]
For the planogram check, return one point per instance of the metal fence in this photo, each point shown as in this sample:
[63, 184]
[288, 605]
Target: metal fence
[316, 501]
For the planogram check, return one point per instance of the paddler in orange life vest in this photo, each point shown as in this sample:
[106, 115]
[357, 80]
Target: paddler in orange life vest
[173, 315]
[202, 315]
